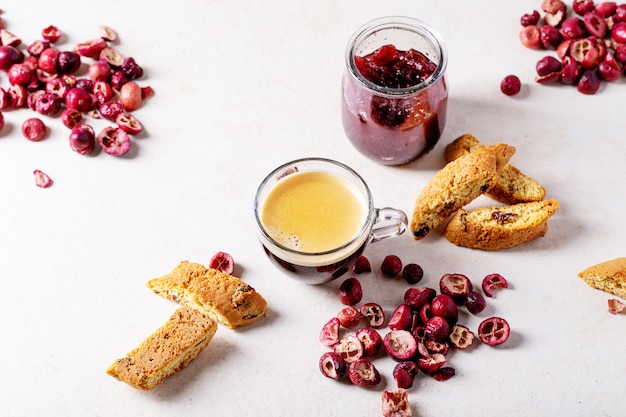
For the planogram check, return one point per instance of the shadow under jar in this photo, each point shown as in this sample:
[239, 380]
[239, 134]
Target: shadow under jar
[394, 92]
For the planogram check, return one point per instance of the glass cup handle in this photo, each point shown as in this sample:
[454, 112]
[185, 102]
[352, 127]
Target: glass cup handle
[389, 222]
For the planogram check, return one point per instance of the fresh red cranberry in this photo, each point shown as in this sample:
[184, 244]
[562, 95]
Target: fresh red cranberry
[412, 273]
[370, 339]
[475, 302]
[530, 18]
[79, 99]
[444, 306]
[223, 262]
[71, 118]
[391, 266]
[510, 85]
[606, 8]
[492, 282]
[82, 139]
[48, 60]
[461, 337]
[494, 331]
[332, 366]
[34, 129]
[110, 109]
[437, 329]
[10, 55]
[456, 286]
[128, 123]
[404, 374]
[68, 62]
[349, 317]
[363, 373]
[42, 179]
[131, 69]
[530, 36]
[51, 34]
[114, 141]
[401, 318]
[573, 28]
[444, 373]
[91, 48]
[400, 345]
[20, 74]
[350, 292]
[349, 348]
[417, 297]
[48, 104]
[329, 334]
[430, 364]
[130, 96]
[373, 313]
[589, 82]
[361, 265]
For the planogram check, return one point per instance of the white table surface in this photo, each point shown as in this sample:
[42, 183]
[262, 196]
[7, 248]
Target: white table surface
[240, 89]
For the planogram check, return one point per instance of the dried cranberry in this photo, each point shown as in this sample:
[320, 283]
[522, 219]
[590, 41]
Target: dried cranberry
[430, 364]
[361, 265]
[48, 104]
[68, 62]
[131, 69]
[404, 374]
[349, 348]
[51, 33]
[222, 261]
[128, 123]
[34, 129]
[82, 139]
[510, 85]
[42, 179]
[494, 331]
[350, 292]
[461, 337]
[79, 99]
[396, 404]
[329, 334]
[1, 121]
[412, 273]
[48, 60]
[437, 329]
[444, 306]
[444, 373]
[71, 118]
[401, 318]
[530, 36]
[373, 313]
[130, 96]
[492, 282]
[37, 47]
[400, 345]
[417, 297]
[349, 317]
[110, 109]
[363, 373]
[456, 286]
[114, 141]
[332, 365]
[530, 18]
[370, 339]
[391, 266]
[20, 74]
[615, 306]
[9, 55]
[475, 302]
[573, 28]
[118, 79]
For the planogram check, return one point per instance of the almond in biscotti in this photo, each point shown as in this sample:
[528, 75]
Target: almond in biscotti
[456, 185]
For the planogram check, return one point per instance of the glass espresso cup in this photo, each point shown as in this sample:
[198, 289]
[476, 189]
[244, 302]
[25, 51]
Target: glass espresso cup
[315, 217]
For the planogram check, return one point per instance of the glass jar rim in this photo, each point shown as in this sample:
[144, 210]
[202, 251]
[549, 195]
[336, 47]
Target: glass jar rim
[404, 23]
[284, 169]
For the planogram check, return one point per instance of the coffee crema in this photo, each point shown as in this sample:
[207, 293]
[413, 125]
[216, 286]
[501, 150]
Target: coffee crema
[313, 212]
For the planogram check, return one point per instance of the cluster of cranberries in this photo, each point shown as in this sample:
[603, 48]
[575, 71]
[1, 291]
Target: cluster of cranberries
[59, 83]
[590, 42]
[418, 334]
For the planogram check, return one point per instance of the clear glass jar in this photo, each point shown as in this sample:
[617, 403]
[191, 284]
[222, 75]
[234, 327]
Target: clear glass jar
[395, 124]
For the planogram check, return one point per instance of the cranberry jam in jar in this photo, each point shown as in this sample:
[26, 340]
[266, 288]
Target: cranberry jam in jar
[394, 92]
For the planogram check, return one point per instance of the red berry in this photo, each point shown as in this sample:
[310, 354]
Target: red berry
[350, 292]
[223, 262]
[391, 266]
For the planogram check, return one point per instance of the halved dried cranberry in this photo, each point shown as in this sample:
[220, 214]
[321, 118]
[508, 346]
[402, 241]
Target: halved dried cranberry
[530, 18]
[373, 313]
[332, 366]
[616, 306]
[456, 286]
[9, 55]
[492, 282]
[42, 180]
[396, 404]
[401, 318]
[444, 373]
[363, 373]
[404, 374]
[114, 141]
[329, 334]
[350, 292]
[430, 364]
[400, 345]
[437, 329]
[222, 261]
[494, 331]
[128, 123]
[370, 339]
[51, 33]
[461, 337]
[349, 348]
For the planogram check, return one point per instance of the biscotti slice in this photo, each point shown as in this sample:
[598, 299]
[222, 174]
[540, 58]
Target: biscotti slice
[223, 297]
[609, 276]
[169, 349]
[512, 186]
[456, 185]
[493, 228]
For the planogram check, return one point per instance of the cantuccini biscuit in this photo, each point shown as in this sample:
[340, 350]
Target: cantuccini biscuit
[493, 228]
[457, 184]
[223, 297]
[609, 276]
[169, 349]
[512, 186]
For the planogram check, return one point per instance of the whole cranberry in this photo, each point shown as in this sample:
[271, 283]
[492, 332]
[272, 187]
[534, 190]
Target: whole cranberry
[100, 71]
[9, 55]
[437, 329]
[34, 129]
[573, 28]
[475, 302]
[530, 36]
[549, 36]
[589, 82]
[130, 96]
[79, 99]
[48, 60]
[114, 141]
[391, 266]
[85, 83]
[350, 292]
[581, 7]
[118, 79]
[620, 13]
[606, 8]
[412, 273]
[618, 32]
[82, 139]
[510, 85]
[444, 306]
[68, 62]
[48, 104]
[20, 74]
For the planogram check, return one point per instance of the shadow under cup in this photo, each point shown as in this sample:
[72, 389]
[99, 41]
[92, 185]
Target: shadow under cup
[318, 267]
